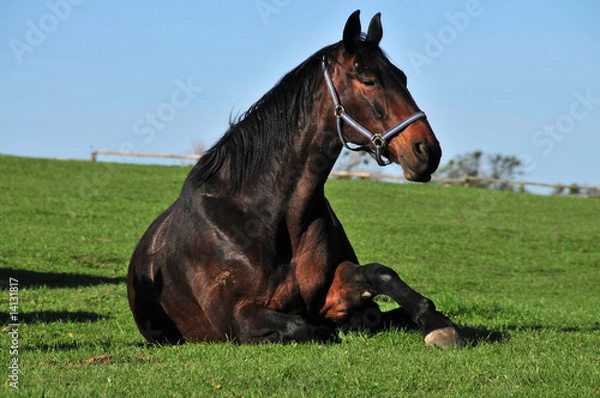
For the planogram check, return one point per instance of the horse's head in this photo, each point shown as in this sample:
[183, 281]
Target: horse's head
[385, 119]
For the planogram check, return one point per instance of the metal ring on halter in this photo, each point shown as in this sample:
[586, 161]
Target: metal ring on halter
[378, 141]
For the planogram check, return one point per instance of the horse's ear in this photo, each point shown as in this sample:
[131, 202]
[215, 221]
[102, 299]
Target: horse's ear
[375, 32]
[352, 32]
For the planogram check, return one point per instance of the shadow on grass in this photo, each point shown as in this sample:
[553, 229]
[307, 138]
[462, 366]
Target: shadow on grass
[480, 335]
[41, 317]
[28, 278]
[57, 346]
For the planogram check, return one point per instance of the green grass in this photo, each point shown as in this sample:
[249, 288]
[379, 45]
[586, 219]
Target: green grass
[520, 274]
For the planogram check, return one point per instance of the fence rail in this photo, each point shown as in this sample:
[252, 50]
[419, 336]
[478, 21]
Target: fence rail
[466, 180]
[140, 155]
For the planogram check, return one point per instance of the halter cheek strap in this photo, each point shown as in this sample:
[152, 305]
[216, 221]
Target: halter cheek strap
[379, 141]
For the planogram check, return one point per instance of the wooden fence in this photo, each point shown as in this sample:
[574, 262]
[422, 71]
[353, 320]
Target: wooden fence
[141, 154]
[574, 189]
[466, 180]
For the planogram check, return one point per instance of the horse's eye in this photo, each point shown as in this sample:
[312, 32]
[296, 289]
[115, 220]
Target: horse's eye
[369, 83]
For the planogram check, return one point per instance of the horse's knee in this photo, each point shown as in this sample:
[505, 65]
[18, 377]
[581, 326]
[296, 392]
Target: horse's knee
[379, 274]
[386, 281]
[349, 292]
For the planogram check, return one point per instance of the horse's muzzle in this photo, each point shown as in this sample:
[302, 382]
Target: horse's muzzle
[419, 160]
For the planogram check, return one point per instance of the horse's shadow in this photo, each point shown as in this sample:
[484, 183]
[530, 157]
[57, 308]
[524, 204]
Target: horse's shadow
[481, 335]
[47, 317]
[27, 278]
[55, 280]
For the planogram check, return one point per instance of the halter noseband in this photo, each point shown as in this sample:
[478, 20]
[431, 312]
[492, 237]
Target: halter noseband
[379, 141]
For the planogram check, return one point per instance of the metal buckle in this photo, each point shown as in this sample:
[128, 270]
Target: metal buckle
[378, 141]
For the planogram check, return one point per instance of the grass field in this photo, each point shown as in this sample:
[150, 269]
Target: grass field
[520, 274]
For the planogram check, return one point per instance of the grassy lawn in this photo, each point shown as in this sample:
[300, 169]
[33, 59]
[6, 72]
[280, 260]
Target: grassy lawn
[520, 274]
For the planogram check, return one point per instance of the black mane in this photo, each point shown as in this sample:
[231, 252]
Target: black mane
[265, 128]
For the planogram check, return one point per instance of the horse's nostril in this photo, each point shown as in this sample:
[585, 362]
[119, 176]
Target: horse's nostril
[420, 149]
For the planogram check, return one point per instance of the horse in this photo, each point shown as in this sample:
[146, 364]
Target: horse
[251, 251]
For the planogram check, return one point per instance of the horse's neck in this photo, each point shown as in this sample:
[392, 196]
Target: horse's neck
[289, 184]
[292, 183]
[305, 198]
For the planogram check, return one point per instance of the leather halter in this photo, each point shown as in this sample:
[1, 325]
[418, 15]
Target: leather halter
[379, 141]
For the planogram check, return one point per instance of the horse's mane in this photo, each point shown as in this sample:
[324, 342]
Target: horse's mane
[265, 128]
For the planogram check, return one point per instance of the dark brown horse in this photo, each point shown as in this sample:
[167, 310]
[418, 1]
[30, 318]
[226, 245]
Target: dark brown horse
[251, 251]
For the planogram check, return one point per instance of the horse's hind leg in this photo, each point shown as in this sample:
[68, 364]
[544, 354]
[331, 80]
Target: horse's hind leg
[354, 286]
[151, 319]
[255, 324]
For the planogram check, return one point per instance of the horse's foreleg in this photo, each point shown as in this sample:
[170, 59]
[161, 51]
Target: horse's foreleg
[256, 323]
[354, 287]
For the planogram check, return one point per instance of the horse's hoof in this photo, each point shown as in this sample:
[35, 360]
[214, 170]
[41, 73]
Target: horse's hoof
[445, 337]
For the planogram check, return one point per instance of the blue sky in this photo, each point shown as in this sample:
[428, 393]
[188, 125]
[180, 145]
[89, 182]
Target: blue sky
[516, 78]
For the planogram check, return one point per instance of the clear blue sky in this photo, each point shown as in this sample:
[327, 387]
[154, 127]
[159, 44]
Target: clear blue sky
[516, 78]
